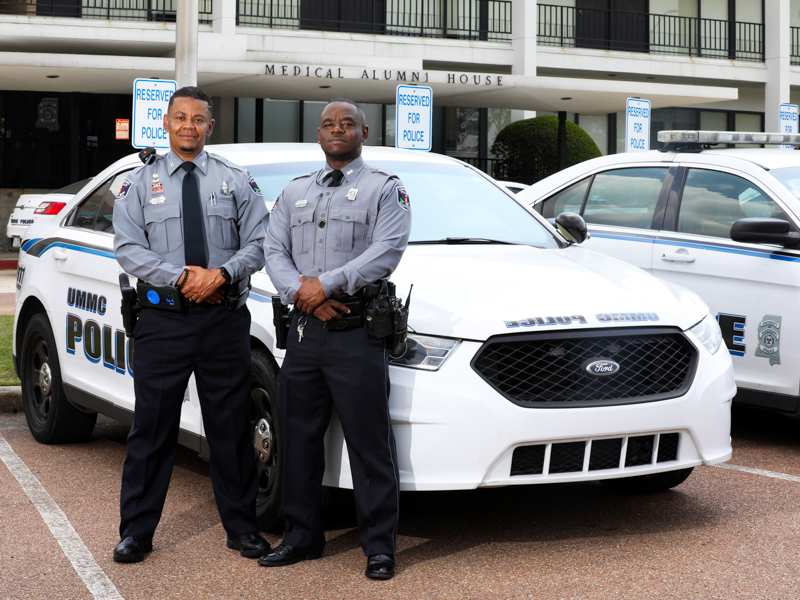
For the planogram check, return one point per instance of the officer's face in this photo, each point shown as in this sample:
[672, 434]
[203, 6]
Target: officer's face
[341, 132]
[188, 123]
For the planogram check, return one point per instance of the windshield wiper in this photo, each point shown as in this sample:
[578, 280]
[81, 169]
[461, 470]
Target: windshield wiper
[464, 240]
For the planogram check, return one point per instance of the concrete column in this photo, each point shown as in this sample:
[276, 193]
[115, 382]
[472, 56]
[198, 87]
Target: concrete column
[223, 17]
[777, 40]
[186, 20]
[523, 36]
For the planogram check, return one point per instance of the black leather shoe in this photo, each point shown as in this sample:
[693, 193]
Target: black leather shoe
[380, 566]
[288, 555]
[132, 549]
[249, 545]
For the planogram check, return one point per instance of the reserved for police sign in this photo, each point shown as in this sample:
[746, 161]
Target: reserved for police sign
[414, 116]
[150, 101]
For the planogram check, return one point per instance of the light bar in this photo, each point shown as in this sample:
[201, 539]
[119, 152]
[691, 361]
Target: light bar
[726, 137]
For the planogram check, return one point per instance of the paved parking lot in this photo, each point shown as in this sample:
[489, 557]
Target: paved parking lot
[724, 533]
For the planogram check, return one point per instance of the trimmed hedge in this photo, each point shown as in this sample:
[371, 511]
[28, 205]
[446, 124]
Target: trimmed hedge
[528, 149]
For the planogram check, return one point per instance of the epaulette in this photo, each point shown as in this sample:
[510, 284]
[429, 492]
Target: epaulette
[383, 172]
[225, 162]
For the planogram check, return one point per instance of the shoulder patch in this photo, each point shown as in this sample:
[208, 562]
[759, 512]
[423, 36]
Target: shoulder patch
[402, 199]
[126, 186]
[275, 205]
[253, 185]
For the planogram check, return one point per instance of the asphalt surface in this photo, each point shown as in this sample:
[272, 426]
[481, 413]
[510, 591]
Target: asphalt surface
[727, 532]
[723, 533]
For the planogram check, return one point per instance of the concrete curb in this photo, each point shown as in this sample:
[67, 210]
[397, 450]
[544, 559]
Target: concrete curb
[10, 399]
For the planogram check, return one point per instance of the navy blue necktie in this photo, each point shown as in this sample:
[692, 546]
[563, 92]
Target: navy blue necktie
[336, 178]
[194, 247]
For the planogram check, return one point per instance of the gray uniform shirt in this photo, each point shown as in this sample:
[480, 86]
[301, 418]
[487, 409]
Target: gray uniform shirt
[348, 236]
[148, 224]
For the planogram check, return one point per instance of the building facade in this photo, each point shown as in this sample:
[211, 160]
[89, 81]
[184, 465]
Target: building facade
[67, 69]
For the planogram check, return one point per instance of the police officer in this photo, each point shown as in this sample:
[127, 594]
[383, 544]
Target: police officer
[193, 221]
[331, 233]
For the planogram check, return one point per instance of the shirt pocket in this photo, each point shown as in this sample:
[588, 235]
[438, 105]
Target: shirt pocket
[302, 231]
[222, 223]
[164, 228]
[348, 229]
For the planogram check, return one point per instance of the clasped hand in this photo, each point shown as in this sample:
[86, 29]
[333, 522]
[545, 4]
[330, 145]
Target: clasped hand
[310, 299]
[204, 285]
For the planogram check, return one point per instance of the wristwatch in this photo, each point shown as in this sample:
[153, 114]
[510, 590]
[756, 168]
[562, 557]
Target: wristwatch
[225, 275]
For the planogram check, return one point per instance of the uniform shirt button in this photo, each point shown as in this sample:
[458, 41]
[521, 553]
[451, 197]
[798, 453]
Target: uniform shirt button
[322, 224]
[226, 214]
[347, 218]
[319, 270]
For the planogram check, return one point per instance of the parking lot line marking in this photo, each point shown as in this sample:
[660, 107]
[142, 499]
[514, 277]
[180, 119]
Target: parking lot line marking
[95, 579]
[761, 472]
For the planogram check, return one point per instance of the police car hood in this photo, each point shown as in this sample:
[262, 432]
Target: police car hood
[476, 291]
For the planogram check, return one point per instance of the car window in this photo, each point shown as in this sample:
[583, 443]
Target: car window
[567, 200]
[625, 197]
[96, 212]
[449, 200]
[712, 201]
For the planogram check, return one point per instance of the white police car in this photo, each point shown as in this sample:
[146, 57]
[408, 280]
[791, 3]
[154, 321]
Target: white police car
[724, 223]
[31, 208]
[531, 360]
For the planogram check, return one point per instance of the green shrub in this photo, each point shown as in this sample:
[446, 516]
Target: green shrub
[528, 149]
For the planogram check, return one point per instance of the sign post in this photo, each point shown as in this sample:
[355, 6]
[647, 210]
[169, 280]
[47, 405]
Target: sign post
[788, 121]
[150, 101]
[414, 117]
[637, 125]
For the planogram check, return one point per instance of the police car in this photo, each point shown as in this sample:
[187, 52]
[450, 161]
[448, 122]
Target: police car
[31, 208]
[530, 359]
[724, 223]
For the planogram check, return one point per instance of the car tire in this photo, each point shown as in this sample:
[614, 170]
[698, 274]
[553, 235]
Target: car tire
[51, 418]
[647, 484]
[265, 421]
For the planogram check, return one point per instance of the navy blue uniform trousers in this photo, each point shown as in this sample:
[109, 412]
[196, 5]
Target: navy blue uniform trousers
[214, 343]
[347, 370]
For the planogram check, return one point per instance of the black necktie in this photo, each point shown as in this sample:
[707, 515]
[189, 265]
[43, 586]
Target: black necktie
[194, 248]
[336, 178]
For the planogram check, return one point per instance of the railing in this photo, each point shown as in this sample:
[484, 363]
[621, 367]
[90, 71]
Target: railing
[644, 32]
[124, 10]
[460, 19]
[794, 49]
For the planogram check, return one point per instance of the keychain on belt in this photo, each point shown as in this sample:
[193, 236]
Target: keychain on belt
[301, 324]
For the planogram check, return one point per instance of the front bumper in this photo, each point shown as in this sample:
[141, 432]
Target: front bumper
[453, 431]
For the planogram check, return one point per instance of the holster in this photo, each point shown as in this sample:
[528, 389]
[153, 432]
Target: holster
[282, 319]
[237, 293]
[129, 307]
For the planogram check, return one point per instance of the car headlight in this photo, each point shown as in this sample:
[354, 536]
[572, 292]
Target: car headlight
[425, 352]
[707, 333]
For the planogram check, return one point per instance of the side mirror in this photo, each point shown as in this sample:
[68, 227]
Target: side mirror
[756, 230]
[572, 227]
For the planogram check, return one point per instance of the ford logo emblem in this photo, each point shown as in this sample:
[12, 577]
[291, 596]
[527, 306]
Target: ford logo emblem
[602, 368]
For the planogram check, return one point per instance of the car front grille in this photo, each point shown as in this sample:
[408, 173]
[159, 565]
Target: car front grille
[613, 453]
[549, 370]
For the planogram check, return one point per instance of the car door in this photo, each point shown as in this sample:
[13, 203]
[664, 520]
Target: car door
[752, 288]
[98, 354]
[622, 207]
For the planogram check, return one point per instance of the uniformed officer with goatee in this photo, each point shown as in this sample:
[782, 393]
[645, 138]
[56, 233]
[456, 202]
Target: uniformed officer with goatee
[193, 222]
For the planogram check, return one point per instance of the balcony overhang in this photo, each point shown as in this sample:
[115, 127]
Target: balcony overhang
[115, 74]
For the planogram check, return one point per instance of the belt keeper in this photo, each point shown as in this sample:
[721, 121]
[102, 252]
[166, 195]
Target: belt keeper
[182, 282]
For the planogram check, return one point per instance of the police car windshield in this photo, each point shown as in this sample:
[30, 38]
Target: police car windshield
[448, 202]
[790, 177]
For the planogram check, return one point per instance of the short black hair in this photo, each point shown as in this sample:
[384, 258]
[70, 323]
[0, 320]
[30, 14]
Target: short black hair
[191, 91]
[353, 103]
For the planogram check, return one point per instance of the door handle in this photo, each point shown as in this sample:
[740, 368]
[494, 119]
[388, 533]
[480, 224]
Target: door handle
[677, 257]
[60, 255]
